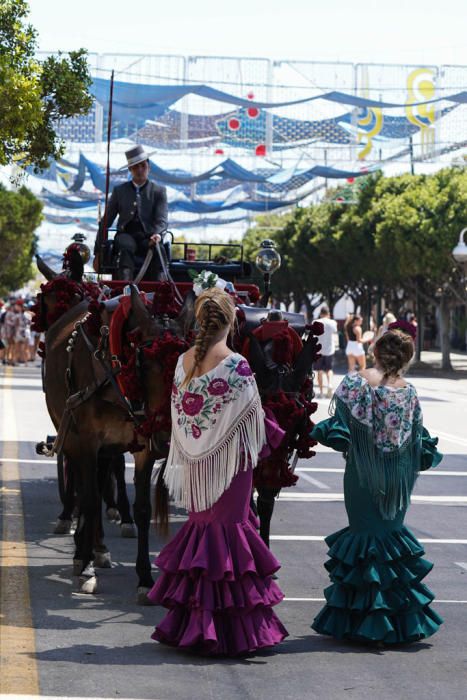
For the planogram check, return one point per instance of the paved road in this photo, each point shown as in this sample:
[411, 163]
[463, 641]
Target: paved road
[60, 643]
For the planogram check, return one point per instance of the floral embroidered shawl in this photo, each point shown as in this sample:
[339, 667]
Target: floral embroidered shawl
[386, 430]
[217, 430]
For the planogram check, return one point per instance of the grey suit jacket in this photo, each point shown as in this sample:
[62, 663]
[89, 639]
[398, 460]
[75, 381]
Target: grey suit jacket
[153, 210]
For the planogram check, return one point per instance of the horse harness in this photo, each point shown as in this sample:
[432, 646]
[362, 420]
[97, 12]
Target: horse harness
[77, 398]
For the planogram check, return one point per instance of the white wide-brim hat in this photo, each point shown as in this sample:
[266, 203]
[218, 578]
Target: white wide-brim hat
[136, 155]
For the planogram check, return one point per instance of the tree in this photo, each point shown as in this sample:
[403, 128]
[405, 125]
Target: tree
[35, 95]
[418, 229]
[20, 215]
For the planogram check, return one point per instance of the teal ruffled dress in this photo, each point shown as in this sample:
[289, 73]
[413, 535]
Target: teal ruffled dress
[376, 565]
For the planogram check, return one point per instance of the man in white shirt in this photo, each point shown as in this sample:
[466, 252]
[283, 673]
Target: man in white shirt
[324, 364]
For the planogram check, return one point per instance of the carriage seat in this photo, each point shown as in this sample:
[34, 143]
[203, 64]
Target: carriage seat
[253, 315]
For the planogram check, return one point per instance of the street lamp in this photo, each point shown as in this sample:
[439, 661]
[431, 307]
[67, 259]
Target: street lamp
[78, 242]
[267, 261]
[459, 253]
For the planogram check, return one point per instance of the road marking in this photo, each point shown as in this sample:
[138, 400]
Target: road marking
[315, 482]
[61, 697]
[427, 472]
[462, 564]
[320, 538]
[322, 600]
[17, 640]
[450, 437]
[304, 497]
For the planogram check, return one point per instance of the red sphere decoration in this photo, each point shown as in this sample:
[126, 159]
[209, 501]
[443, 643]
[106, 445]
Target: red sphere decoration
[350, 180]
[219, 152]
[253, 112]
[340, 199]
[251, 95]
[260, 150]
[234, 124]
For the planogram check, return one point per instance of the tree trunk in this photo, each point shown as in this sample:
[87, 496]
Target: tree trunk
[444, 313]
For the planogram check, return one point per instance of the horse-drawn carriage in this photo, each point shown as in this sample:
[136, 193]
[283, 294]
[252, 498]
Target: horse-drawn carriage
[109, 356]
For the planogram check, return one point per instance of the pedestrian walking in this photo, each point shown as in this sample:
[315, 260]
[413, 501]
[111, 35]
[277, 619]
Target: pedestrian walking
[376, 566]
[217, 572]
[324, 364]
[354, 349]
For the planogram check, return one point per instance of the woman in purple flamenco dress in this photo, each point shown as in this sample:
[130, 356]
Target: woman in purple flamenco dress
[216, 578]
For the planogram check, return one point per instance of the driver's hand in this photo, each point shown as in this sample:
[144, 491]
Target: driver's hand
[155, 238]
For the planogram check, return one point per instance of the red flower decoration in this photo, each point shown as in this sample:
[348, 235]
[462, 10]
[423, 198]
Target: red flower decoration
[234, 124]
[253, 112]
[195, 431]
[260, 150]
[192, 403]
[243, 369]
[218, 387]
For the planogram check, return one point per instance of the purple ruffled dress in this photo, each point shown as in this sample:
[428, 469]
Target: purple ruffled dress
[216, 579]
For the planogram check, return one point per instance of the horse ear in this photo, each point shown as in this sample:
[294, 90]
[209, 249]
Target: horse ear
[186, 318]
[142, 318]
[47, 271]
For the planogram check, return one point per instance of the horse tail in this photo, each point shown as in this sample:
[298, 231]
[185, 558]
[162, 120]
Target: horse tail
[161, 503]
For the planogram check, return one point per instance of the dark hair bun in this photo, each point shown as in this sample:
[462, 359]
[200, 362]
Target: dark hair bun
[394, 350]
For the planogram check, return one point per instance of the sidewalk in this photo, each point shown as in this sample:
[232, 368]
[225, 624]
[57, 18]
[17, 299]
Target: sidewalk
[430, 364]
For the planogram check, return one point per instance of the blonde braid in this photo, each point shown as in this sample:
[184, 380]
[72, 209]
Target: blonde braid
[214, 310]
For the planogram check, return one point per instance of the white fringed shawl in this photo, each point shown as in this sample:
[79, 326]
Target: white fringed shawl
[217, 430]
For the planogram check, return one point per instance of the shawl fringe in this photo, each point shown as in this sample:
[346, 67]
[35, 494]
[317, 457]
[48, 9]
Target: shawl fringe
[196, 483]
[388, 475]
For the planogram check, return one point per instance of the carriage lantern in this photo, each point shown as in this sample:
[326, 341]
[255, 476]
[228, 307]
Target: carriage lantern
[268, 261]
[78, 240]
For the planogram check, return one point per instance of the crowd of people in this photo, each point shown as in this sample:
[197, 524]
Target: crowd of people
[18, 342]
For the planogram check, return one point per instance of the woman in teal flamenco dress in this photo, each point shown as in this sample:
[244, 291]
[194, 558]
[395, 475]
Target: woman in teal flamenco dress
[376, 565]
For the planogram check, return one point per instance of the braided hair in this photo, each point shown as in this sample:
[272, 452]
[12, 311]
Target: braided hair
[214, 311]
[393, 351]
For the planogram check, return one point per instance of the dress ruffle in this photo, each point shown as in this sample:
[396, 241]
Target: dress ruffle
[216, 582]
[376, 592]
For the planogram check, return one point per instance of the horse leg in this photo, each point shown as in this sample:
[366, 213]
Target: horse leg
[107, 487]
[65, 519]
[142, 511]
[265, 505]
[89, 500]
[127, 525]
[102, 558]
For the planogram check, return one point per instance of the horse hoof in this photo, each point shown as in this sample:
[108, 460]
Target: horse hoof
[113, 515]
[77, 566]
[62, 527]
[102, 560]
[142, 596]
[128, 530]
[87, 584]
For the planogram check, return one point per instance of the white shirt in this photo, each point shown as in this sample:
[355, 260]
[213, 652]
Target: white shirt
[327, 338]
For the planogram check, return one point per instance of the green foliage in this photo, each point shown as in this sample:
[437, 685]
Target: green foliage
[398, 234]
[20, 215]
[35, 96]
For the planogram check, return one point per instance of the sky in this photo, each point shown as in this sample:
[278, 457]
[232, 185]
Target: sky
[400, 31]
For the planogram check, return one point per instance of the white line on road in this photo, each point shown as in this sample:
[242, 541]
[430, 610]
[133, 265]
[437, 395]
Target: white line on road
[315, 482]
[321, 600]
[450, 437]
[462, 564]
[320, 538]
[304, 497]
[336, 470]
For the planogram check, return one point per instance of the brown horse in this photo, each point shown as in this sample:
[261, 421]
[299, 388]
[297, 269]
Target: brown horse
[93, 420]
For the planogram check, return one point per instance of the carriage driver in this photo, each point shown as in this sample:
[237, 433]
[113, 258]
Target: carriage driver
[141, 206]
